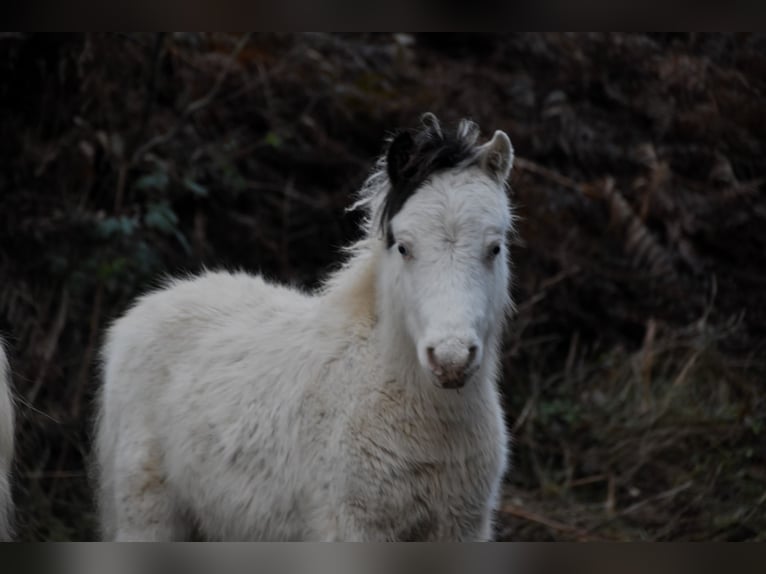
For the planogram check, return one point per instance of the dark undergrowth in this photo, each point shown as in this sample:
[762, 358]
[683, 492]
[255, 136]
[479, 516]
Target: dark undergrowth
[634, 368]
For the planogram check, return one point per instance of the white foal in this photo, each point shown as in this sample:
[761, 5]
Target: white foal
[245, 410]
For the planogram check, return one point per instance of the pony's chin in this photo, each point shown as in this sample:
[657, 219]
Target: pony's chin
[453, 384]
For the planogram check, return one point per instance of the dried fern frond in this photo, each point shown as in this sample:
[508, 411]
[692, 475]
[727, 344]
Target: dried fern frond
[645, 251]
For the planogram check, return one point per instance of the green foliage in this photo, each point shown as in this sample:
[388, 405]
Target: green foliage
[160, 216]
[120, 226]
[273, 139]
[156, 181]
[196, 188]
[561, 411]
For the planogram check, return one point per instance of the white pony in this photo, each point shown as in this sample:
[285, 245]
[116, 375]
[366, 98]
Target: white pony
[243, 410]
[6, 447]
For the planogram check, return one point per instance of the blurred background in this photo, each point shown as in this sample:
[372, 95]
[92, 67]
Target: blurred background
[634, 367]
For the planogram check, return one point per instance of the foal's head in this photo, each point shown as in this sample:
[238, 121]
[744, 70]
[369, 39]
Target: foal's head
[445, 219]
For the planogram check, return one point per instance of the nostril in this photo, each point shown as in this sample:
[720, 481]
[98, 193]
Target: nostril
[472, 350]
[432, 358]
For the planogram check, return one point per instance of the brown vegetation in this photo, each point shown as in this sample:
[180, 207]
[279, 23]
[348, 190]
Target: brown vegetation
[634, 368]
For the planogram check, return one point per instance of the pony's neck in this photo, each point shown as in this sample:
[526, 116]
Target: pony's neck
[349, 293]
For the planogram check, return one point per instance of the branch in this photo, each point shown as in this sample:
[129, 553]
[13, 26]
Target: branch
[530, 516]
[193, 107]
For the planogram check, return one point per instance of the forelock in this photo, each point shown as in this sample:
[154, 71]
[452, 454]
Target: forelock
[432, 150]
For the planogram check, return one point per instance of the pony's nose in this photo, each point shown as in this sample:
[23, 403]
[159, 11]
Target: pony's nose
[452, 360]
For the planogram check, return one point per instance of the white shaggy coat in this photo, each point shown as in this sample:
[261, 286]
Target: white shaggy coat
[243, 410]
[6, 447]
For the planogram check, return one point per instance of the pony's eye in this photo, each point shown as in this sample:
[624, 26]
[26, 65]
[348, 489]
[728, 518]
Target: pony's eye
[403, 250]
[494, 251]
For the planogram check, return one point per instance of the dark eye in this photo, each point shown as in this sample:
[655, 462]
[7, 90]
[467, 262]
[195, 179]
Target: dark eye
[403, 250]
[494, 251]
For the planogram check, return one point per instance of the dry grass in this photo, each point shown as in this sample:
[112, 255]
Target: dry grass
[659, 443]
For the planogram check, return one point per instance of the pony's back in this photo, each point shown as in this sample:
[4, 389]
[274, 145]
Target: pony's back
[6, 447]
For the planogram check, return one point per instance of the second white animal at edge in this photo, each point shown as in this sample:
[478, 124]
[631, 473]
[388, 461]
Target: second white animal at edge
[6, 447]
[245, 410]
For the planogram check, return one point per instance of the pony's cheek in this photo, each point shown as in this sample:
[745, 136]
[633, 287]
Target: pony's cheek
[414, 322]
[400, 294]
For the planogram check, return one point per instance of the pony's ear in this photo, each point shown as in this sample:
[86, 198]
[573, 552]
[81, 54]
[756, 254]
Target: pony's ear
[496, 156]
[398, 156]
[431, 122]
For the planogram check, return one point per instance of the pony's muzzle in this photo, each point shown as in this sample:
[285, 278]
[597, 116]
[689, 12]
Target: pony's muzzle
[453, 360]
